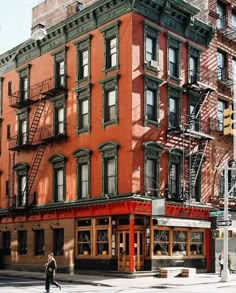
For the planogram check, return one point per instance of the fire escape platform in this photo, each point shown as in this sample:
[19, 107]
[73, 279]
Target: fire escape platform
[197, 134]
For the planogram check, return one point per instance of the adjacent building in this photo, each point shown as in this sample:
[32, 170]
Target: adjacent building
[111, 131]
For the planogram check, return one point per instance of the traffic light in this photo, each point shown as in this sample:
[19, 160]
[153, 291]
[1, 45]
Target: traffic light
[219, 234]
[229, 122]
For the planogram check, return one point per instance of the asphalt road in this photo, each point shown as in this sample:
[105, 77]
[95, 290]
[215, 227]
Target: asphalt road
[16, 285]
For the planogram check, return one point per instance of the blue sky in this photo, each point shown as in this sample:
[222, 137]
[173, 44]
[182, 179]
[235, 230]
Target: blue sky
[15, 22]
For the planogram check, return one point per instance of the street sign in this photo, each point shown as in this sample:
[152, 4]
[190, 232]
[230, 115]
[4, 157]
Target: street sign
[224, 223]
[216, 213]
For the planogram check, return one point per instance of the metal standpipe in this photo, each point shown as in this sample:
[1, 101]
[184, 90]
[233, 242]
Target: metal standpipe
[225, 275]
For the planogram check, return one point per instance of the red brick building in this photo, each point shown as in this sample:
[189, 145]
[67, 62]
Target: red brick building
[100, 121]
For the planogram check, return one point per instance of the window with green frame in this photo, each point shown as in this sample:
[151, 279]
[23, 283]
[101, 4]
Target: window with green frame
[175, 157]
[111, 46]
[59, 119]
[58, 177]
[21, 170]
[24, 82]
[151, 100]
[152, 152]
[174, 104]
[193, 64]
[151, 41]
[22, 138]
[174, 55]
[82, 157]
[83, 108]
[109, 153]
[60, 68]
[83, 59]
[110, 100]
[193, 119]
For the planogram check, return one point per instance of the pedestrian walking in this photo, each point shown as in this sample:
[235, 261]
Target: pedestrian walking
[221, 261]
[51, 267]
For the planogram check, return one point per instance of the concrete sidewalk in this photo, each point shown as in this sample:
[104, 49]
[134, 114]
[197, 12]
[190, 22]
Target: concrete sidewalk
[113, 281]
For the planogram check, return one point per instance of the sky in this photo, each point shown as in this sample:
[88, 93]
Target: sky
[15, 22]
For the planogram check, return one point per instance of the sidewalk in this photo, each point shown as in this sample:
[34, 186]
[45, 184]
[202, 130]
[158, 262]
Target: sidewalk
[113, 281]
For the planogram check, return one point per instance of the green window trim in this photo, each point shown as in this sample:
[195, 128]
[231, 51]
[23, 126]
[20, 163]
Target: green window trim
[175, 93]
[152, 84]
[82, 156]
[195, 53]
[24, 73]
[175, 156]
[110, 32]
[22, 115]
[83, 45]
[152, 151]
[21, 170]
[109, 84]
[193, 101]
[59, 103]
[82, 94]
[59, 56]
[175, 43]
[152, 32]
[58, 163]
[109, 150]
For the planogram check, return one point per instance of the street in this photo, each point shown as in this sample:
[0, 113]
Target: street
[15, 285]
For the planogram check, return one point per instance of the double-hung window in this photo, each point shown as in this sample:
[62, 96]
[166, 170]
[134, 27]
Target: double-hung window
[60, 68]
[22, 128]
[24, 81]
[59, 126]
[83, 59]
[221, 106]
[173, 47]
[59, 188]
[110, 100]
[111, 46]
[193, 64]
[151, 100]
[175, 174]
[174, 100]
[83, 109]
[82, 157]
[22, 242]
[221, 10]
[152, 152]
[38, 242]
[234, 21]
[109, 152]
[58, 241]
[22, 182]
[221, 66]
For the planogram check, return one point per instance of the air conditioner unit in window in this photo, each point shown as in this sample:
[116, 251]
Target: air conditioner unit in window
[153, 63]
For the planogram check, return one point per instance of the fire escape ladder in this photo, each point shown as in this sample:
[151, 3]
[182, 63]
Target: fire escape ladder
[36, 119]
[195, 165]
[11, 179]
[36, 160]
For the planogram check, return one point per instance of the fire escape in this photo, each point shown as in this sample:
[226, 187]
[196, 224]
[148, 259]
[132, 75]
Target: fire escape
[36, 139]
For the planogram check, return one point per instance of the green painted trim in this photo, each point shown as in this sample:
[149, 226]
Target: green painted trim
[175, 92]
[1, 97]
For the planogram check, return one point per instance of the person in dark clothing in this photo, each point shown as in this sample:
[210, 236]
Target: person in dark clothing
[51, 266]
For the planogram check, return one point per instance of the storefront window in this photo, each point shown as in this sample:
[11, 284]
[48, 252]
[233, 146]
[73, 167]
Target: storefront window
[84, 242]
[102, 242]
[179, 246]
[161, 242]
[196, 243]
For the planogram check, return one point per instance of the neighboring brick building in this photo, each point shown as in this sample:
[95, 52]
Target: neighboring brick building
[99, 120]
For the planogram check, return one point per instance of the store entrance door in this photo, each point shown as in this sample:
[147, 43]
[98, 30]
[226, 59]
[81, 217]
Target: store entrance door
[123, 250]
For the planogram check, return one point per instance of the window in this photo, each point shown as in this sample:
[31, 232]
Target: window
[83, 58]
[152, 152]
[6, 242]
[111, 46]
[234, 20]
[151, 40]
[58, 164]
[22, 242]
[84, 237]
[151, 100]
[24, 83]
[60, 68]
[194, 64]
[110, 100]
[232, 178]
[38, 242]
[109, 167]
[102, 236]
[59, 104]
[175, 242]
[174, 96]
[234, 70]
[221, 66]
[174, 57]
[221, 106]
[175, 174]
[195, 171]
[23, 131]
[58, 241]
[221, 185]
[22, 178]
[221, 21]
[193, 119]
[82, 157]
[83, 109]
